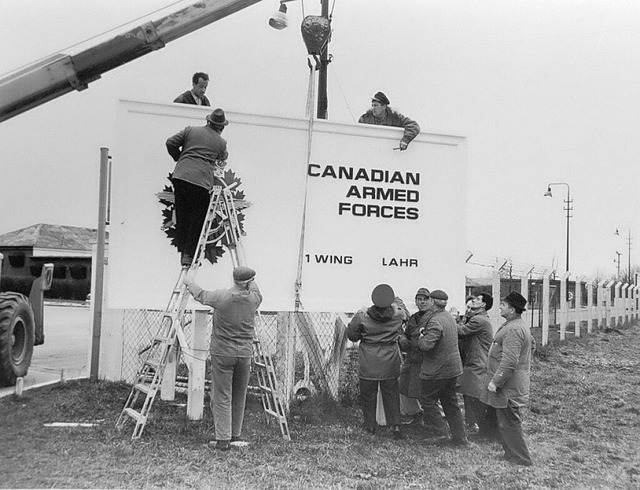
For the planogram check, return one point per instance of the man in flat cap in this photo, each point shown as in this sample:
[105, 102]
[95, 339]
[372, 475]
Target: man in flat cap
[378, 328]
[231, 349]
[381, 114]
[198, 151]
[410, 384]
[439, 372]
[508, 377]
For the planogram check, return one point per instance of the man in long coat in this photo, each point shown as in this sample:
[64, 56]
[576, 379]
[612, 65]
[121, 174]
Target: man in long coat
[508, 377]
[475, 336]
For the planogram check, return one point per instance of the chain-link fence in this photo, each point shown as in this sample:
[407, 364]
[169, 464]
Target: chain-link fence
[310, 351]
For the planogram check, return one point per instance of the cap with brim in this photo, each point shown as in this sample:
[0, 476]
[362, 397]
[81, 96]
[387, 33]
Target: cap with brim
[423, 292]
[217, 117]
[438, 294]
[243, 274]
[516, 300]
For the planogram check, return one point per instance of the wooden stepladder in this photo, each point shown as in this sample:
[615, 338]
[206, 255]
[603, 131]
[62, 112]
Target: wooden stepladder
[221, 226]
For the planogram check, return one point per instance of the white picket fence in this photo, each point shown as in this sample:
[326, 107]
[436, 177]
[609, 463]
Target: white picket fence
[609, 304]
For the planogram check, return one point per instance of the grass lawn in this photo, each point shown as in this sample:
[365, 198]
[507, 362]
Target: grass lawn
[582, 427]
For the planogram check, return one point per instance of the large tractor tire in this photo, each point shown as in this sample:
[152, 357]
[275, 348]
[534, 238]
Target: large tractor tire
[16, 337]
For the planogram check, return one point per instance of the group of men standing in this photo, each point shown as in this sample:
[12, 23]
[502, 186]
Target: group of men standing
[444, 356]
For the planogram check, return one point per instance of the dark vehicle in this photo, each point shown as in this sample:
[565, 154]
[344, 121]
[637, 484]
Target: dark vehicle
[22, 327]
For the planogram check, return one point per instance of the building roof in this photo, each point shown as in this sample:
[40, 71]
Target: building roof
[51, 236]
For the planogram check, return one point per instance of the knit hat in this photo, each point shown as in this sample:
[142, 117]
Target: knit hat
[423, 292]
[243, 274]
[382, 295]
[516, 300]
[380, 97]
[438, 294]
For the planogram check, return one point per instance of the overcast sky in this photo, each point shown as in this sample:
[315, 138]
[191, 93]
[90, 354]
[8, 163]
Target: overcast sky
[545, 91]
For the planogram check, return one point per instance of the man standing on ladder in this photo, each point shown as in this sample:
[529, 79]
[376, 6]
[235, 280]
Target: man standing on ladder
[231, 350]
[197, 151]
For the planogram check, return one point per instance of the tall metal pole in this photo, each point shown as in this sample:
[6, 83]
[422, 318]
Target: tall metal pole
[100, 256]
[568, 208]
[323, 103]
[629, 258]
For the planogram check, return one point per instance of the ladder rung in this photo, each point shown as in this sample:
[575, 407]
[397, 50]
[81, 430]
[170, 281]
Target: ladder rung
[144, 388]
[133, 414]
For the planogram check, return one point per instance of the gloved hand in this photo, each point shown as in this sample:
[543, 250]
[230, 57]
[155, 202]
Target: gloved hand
[403, 145]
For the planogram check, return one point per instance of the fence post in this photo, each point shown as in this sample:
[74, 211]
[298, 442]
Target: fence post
[578, 307]
[494, 313]
[524, 290]
[625, 303]
[197, 366]
[609, 306]
[564, 305]
[545, 306]
[286, 349]
[617, 304]
[589, 285]
[601, 307]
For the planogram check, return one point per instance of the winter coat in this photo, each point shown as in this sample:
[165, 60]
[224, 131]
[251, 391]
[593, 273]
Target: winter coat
[378, 330]
[393, 118]
[509, 365]
[475, 337]
[440, 346]
[410, 374]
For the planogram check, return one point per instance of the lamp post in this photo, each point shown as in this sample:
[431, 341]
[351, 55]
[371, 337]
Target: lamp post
[617, 233]
[568, 208]
[279, 21]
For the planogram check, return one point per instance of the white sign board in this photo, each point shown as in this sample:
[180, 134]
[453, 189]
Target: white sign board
[373, 214]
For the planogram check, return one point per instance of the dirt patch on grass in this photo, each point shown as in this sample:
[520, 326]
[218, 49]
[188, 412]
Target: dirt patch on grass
[582, 427]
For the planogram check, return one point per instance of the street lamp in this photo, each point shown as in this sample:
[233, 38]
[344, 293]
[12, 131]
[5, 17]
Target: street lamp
[568, 208]
[617, 233]
[315, 31]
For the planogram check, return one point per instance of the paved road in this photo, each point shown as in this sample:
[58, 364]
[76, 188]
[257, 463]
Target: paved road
[66, 347]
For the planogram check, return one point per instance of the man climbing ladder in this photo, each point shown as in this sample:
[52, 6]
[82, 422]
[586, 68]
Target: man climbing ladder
[234, 341]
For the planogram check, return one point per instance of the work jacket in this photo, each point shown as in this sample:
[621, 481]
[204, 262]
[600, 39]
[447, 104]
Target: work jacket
[440, 346]
[393, 118]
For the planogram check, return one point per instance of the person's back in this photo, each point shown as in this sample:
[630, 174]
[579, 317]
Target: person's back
[442, 360]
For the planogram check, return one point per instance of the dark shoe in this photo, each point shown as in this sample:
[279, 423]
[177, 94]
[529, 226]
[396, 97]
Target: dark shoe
[223, 445]
[371, 429]
[413, 419]
[437, 441]
[460, 442]
[472, 429]
[397, 434]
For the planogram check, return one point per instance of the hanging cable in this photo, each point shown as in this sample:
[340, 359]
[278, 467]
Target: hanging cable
[313, 61]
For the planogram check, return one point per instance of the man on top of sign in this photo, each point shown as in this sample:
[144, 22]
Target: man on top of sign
[382, 115]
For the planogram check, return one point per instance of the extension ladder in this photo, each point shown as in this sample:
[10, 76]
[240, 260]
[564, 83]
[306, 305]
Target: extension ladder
[220, 226]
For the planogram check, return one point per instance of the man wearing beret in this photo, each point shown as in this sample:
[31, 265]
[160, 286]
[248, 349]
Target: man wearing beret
[440, 369]
[508, 377]
[378, 328]
[410, 384]
[381, 114]
[231, 349]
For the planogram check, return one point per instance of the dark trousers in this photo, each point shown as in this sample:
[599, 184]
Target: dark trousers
[191, 205]
[390, 400]
[443, 390]
[510, 429]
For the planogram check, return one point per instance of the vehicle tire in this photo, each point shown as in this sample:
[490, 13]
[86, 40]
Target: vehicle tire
[16, 337]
